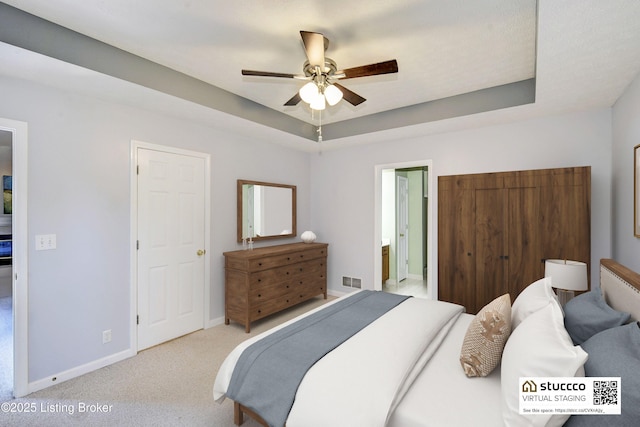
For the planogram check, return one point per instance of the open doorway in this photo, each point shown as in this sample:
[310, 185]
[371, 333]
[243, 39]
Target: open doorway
[403, 223]
[14, 134]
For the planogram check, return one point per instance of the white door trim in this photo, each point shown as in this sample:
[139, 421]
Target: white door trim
[135, 145]
[20, 286]
[377, 223]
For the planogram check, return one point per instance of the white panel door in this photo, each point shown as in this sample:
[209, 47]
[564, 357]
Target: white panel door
[170, 246]
[402, 227]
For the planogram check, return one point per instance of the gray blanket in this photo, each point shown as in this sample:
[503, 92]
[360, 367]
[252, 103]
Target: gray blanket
[269, 371]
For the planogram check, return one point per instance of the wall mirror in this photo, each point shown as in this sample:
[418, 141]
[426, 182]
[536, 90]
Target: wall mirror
[266, 210]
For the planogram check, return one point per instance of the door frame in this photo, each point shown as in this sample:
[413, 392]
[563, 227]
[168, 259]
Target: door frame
[377, 223]
[135, 145]
[20, 261]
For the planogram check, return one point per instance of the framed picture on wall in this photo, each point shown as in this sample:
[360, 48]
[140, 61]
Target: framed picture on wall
[7, 188]
[636, 190]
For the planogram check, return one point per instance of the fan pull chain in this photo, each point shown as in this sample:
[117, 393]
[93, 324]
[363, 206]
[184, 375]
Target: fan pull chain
[319, 127]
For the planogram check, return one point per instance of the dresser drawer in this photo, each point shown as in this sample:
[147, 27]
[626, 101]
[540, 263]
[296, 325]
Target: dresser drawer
[271, 290]
[273, 305]
[286, 259]
[286, 273]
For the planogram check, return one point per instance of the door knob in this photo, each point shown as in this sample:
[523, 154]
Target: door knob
[201, 252]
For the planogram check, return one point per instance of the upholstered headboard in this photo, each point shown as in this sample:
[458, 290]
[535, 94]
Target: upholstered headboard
[620, 287]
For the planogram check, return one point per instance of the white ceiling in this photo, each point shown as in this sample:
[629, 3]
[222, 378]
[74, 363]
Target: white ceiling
[582, 53]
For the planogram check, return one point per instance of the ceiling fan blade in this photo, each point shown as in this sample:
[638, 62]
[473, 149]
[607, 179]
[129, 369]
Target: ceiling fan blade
[267, 74]
[314, 46]
[294, 100]
[350, 96]
[386, 67]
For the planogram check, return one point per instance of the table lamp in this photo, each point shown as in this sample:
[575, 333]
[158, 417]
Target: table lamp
[567, 277]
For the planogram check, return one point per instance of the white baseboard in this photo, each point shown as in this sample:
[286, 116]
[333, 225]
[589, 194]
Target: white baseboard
[214, 322]
[78, 371]
[335, 293]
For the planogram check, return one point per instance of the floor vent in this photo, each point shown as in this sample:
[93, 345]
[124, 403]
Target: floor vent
[352, 282]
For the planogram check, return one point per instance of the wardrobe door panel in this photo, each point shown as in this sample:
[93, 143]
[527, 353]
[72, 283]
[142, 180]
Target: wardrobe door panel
[524, 249]
[490, 251]
[456, 242]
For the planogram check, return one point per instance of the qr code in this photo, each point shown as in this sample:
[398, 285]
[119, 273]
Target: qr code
[605, 392]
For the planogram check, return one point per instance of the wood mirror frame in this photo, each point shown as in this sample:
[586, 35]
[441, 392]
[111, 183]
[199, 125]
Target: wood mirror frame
[289, 231]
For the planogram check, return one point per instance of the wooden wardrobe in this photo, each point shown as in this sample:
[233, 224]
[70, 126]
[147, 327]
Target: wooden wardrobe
[496, 229]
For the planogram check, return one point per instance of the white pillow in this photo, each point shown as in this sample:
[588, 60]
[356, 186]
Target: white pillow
[532, 298]
[539, 347]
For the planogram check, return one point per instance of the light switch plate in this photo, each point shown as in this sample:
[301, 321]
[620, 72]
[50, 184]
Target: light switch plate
[45, 242]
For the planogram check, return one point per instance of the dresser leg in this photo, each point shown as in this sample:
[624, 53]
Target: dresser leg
[226, 320]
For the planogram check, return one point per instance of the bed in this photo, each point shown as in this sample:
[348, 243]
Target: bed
[387, 374]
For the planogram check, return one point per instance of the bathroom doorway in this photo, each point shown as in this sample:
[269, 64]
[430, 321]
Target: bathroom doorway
[403, 236]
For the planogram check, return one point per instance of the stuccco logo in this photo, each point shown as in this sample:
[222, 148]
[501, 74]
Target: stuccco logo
[530, 386]
[561, 386]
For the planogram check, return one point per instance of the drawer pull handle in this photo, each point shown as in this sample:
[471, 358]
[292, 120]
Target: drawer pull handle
[288, 258]
[260, 264]
[259, 311]
[259, 295]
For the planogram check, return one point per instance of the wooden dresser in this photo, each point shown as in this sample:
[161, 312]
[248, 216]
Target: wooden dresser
[263, 281]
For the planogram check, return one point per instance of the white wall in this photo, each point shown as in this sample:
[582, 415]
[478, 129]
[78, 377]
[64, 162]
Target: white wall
[79, 154]
[79, 150]
[626, 135]
[580, 139]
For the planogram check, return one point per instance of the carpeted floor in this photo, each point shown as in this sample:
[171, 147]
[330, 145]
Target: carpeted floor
[167, 385]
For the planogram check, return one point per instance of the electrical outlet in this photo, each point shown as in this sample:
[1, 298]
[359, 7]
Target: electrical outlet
[106, 336]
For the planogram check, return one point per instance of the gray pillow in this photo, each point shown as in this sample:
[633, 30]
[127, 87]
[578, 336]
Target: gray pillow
[588, 313]
[615, 353]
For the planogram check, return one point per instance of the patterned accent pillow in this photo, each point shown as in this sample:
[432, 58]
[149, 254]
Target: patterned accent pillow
[485, 338]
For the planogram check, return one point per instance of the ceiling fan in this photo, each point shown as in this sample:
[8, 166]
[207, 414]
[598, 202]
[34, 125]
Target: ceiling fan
[322, 73]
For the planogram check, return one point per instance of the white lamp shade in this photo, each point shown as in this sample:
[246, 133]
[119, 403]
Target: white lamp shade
[309, 92]
[318, 103]
[333, 95]
[567, 275]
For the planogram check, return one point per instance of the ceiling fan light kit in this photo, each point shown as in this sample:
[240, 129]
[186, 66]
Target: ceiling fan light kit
[316, 94]
[321, 73]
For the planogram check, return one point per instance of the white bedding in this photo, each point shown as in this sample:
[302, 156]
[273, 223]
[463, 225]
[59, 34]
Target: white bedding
[429, 400]
[379, 362]
[403, 370]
